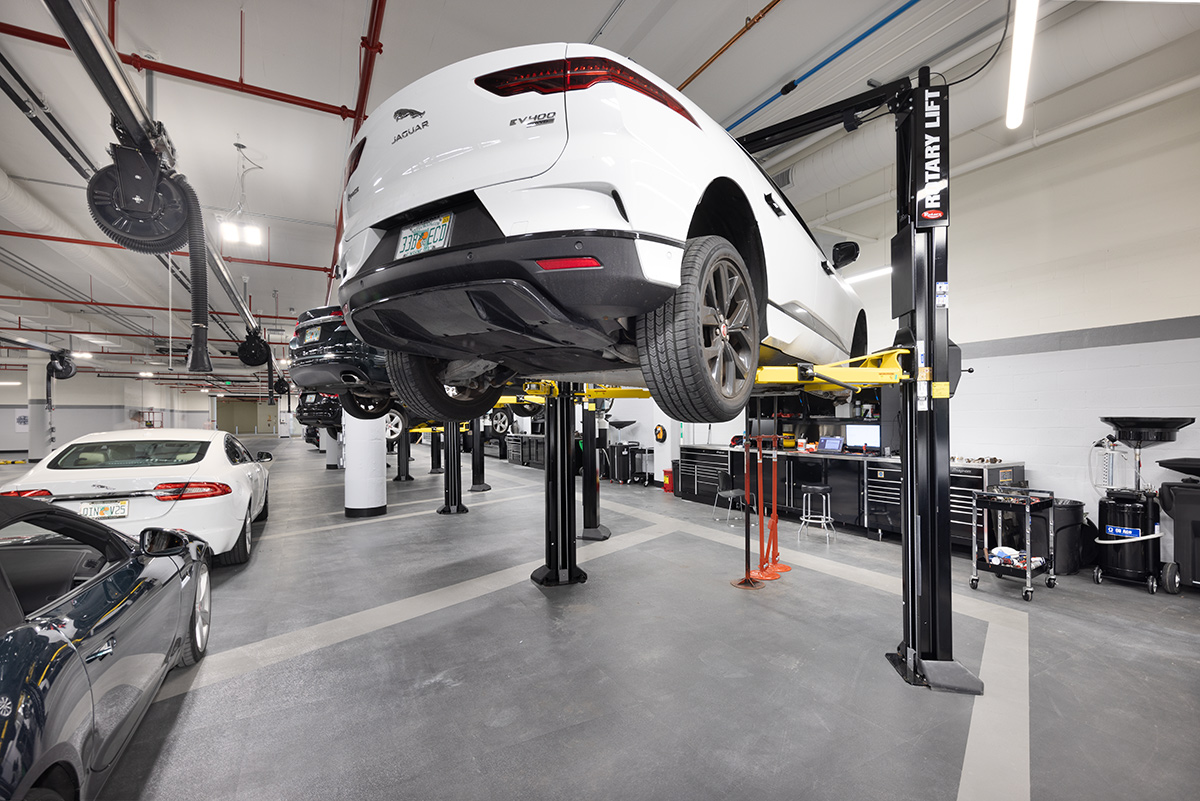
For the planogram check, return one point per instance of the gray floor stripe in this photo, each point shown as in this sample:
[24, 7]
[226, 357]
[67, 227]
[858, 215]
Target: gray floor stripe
[999, 732]
[363, 521]
[239, 661]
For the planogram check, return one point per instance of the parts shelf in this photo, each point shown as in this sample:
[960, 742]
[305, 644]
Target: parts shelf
[1024, 500]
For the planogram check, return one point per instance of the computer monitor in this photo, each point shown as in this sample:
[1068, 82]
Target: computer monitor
[862, 437]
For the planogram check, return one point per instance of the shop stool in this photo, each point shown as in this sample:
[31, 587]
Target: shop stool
[807, 517]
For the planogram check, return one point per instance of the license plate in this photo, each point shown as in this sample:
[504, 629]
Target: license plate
[312, 334]
[104, 510]
[424, 236]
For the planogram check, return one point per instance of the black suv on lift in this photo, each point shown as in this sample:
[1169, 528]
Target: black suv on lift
[320, 410]
[328, 358]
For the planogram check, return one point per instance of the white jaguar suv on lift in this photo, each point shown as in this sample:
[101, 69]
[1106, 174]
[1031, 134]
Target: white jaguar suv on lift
[556, 211]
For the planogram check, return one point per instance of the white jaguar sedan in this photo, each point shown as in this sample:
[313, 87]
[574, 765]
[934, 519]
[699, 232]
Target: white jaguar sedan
[204, 482]
[557, 211]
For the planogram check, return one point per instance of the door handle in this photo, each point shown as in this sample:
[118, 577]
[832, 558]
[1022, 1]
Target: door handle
[102, 651]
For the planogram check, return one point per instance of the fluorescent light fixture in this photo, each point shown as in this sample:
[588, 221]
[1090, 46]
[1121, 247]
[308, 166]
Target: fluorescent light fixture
[10, 383]
[251, 234]
[97, 340]
[220, 394]
[146, 375]
[1024, 26]
[81, 354]
[867, 276]
[204, 389]
[230, 232]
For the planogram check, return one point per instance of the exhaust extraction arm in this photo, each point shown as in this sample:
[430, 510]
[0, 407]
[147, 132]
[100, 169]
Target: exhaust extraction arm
[139, 201]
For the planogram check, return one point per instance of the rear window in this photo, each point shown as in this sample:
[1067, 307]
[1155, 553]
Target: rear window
[130, 453]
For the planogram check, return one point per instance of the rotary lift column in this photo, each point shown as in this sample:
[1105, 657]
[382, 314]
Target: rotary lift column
[592, 529]
[477, 482]
[435, 452]
[453, 474]
[560, 567]
[921, 300]
[402, 455]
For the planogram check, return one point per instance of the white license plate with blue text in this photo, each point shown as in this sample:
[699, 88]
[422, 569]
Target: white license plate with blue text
[104, 510]
[424, 237]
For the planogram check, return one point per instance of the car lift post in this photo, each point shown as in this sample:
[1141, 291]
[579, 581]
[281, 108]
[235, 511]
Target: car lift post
[560, 567]
[435, 452]
[920, 298]
[453, 473]
[402, 457]
[592, 528]
[477, 482]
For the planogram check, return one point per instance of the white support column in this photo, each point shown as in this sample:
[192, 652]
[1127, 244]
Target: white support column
[333, 449]
[366, 466]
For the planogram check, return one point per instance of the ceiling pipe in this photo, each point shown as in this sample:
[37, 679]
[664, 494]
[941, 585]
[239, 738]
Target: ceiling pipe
[1039, 139]
[1095, 40]
[372, 47]
[750, 23]
[139, 63]
[70, 302]
[957, 58]
[27, 212]
[114, 246]
[84, 334]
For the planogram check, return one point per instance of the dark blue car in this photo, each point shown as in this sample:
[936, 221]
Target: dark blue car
[92, 621]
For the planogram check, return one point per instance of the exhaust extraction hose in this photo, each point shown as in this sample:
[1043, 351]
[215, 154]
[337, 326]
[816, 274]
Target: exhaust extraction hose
[198, 361]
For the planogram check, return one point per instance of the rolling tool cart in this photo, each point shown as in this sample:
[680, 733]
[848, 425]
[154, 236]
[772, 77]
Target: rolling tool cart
[1006, 561]
[1181, 500]
[643, 466]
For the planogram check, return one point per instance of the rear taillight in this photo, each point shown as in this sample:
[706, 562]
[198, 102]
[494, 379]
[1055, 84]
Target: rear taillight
[37, 493]
[570, 263]
[569, 74]
[190, 490]
[355, 158]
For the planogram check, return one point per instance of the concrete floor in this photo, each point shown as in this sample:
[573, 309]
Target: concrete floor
[409, 657]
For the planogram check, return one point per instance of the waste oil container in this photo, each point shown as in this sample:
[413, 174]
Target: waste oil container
[1068, 526]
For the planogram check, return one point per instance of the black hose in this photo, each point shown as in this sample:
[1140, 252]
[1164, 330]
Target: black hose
[198, 361]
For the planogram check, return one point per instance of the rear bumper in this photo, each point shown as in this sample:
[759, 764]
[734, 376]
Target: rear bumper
[492, 300]
[327, 372]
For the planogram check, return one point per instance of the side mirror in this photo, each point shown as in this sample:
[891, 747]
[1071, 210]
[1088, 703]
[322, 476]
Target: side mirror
[844, 253]
[263, 456]
[163, 542]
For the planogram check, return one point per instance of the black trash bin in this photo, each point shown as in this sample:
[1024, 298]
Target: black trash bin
[675, 482]
[1068, 524]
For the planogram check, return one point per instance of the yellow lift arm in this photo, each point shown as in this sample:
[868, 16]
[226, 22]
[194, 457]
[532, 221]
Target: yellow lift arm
[860, 372]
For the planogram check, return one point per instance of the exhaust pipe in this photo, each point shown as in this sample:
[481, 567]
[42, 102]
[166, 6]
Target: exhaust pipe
[351, 378]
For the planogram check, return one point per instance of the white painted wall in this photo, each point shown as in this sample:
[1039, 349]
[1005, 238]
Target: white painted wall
[88, 403]
[1102, 229]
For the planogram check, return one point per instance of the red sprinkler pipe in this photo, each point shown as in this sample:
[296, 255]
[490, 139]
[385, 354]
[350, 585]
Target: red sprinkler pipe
[372, 47]
[112, 23]
[70, 302]
[139, 64]
[115, 246]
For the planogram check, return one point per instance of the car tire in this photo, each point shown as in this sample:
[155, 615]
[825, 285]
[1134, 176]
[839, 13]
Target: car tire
[394, 424]
[699, 350]
[239, 554]
[365, 408]
[501, 422]
[415, 381]
[262, 515]
[195, 639]
[42, 794]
